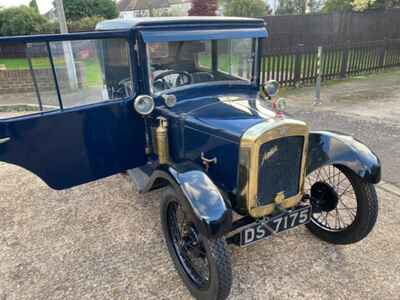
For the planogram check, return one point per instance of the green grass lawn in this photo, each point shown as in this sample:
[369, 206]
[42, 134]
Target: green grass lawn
[91, 67]
[22, 63]
[92, 73]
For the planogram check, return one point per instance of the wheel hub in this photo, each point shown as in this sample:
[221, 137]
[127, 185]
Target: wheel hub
[323, 197]
[191, 243]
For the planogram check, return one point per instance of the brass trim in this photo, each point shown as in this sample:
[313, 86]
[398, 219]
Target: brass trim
[250, 144]
[162, 143]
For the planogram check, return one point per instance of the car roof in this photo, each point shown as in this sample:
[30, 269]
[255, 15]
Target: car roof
[160, 22]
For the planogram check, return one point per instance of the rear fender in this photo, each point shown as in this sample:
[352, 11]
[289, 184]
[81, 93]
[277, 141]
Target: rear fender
[327, 148]
[203, 200]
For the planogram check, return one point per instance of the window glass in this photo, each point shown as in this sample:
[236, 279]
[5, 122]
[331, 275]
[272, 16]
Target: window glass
[176, 64]
[205, 57]
[91, 71]
[236, 57]
[87, 71]
[26, 80]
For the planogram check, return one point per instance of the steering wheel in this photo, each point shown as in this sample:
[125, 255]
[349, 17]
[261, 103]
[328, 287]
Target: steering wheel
[123, 89]
[183, 78]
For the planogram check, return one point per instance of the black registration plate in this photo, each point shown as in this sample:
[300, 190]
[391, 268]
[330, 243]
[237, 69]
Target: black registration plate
[259, 230]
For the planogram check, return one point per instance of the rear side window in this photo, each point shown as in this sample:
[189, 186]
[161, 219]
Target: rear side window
[39, 77]
[26, 80]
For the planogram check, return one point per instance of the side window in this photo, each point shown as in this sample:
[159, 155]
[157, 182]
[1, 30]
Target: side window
[85, 72]
[205, 57]
[235, 57]
[91, 71]
[26, 80]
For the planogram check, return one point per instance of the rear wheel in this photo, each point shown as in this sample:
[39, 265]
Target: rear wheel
[345, 207]
[203, 264]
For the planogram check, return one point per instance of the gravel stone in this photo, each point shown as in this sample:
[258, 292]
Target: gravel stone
[103, 240]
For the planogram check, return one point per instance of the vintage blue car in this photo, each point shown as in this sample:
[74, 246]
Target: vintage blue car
[178, 104]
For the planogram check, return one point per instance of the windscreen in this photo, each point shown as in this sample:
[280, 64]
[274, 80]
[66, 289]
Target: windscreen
[176, 64]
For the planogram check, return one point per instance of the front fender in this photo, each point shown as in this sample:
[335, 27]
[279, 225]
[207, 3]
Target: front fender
[204, 201]
[326, 148]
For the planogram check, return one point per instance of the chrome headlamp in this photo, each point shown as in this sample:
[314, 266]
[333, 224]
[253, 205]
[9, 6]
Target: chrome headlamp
[271, 88]
[169, 100]
[144, 104]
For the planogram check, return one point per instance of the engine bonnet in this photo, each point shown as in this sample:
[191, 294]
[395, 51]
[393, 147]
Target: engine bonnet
[225, 116]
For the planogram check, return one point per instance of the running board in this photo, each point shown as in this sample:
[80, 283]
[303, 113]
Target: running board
[139, 178]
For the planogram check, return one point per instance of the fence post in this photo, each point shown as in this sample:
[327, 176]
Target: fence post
[263, 58]
[317, 99]
[382, 54]
[345, 60]
[298, 62]
[397, 46]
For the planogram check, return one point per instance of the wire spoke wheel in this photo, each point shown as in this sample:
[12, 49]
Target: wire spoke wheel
[203, 263]
[333, 198]
[189, 249]
[344, 205]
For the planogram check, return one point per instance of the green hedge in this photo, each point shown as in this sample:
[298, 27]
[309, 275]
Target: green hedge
[23, 20]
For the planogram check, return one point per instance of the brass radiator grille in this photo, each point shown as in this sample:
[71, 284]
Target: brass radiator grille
[272, 166]
[280, 169]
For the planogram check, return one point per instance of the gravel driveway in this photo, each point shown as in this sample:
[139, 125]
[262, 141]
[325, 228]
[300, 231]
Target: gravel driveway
[367, 107]
[102, 241]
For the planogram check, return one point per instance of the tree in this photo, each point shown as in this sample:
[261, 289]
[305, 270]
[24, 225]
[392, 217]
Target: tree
[84, 24]
[337, 6]
[246, 8]
[78, 9]
[33, 5]
[361, 5]
[22, 20]
[358, 5]
[203, 8]
[297, 7]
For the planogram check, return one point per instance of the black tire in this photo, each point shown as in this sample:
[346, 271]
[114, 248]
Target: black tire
[219, 282]
[365, 215]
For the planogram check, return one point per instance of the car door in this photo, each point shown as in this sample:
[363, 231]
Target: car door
[66, 106]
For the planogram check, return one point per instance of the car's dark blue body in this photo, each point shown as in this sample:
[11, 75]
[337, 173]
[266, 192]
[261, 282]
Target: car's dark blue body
[212, 127]
[73, 146]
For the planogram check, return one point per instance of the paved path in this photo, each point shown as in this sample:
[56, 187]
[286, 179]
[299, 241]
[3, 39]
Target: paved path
[103, 241]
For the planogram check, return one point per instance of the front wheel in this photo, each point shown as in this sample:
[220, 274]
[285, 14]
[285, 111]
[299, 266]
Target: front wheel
[345, 206]
[203, 264]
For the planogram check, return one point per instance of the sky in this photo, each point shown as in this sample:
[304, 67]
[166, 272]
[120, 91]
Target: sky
[44, 5]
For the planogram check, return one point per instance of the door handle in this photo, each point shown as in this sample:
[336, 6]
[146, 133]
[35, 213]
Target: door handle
[4, 140]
